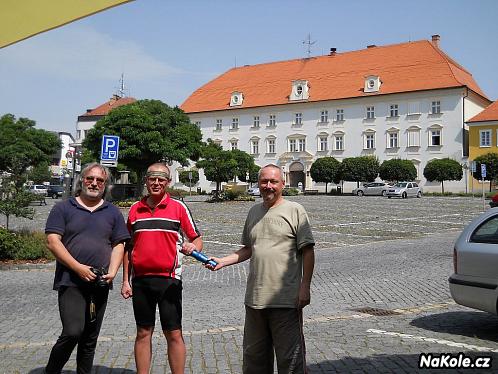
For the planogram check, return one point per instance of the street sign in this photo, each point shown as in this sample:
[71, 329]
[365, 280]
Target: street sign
[473, 167]
[109, 150]
[483, 171]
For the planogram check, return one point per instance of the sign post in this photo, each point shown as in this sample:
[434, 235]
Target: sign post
[473, 168]
[190, 182]
[109, 151]
[483, 175]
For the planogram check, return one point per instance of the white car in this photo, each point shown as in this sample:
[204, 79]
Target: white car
[254, 191]
[404, 190]
[474, 282]
[373, 188]
[38, 189]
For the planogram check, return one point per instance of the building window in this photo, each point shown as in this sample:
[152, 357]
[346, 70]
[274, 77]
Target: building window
[292, 145]
[436, 107]
[370, 112]
[219, 124]
[255, 122]
[323, 143]
[302, 145]
[254, 147]
[393, 110]
[78, 134]
[271, 145]
[324, 116]
[218, 142]
[198, 124]
[339, 115]
[272, 122]
[485, 138]
[369, 140]
[234, 144]
[339, 142]
[235, 124]
[413, 137]
[298, 119]
[393, 140]
[413, 108]
[435, 138]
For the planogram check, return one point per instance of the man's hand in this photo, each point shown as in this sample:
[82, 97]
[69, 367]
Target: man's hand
[126, 291]
[219, 264]
[304, 295]
[109, 277]
[85, 273]
[188, 248]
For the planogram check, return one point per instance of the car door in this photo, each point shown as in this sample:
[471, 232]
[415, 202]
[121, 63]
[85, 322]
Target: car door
[409, 189]
[369, 189]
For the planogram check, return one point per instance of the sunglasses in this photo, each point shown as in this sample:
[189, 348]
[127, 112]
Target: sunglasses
[158, 179]
[89, 179]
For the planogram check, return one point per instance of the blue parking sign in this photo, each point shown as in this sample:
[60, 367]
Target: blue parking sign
[110, 149]
[483, 171]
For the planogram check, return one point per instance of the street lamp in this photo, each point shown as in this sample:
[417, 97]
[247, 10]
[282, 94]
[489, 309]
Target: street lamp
[75, 157]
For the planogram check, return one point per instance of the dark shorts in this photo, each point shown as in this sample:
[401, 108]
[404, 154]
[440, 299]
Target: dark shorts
[149, 292]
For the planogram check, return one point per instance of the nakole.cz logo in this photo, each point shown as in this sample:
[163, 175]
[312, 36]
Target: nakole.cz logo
[453, 361]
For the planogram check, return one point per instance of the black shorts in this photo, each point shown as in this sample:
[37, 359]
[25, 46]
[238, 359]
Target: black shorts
[148, 292]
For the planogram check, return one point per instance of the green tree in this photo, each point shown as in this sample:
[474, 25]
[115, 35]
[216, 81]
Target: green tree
[445, 169]
[396, 170]
[245, 165]
[325, 170]
[219, 165]
[150, 131]
[491, 162]
[40, 173]
[184, 177]
[22, 146]
[359, 169]
[14, 201]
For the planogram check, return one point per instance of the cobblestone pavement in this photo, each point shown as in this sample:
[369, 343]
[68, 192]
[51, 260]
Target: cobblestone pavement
[379, 295]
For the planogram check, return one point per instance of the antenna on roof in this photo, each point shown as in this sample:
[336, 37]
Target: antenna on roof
[122, 89]
[309, 44]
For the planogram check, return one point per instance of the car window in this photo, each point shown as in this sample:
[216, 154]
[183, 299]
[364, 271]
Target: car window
[401, 185]
[487, 232]
[415, 185]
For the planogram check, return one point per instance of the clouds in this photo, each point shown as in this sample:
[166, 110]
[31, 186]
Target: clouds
[82, 53]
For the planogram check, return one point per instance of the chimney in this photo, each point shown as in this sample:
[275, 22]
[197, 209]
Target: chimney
[333, 51]
[371, 46]
[435, 40]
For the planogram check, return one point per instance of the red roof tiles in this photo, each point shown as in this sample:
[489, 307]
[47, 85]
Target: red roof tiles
[105, 108]
[405, 67]
[488, 114]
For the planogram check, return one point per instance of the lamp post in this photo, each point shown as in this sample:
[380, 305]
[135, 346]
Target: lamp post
[74, 156]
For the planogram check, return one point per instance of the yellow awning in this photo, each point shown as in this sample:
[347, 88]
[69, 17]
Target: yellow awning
[21, 19]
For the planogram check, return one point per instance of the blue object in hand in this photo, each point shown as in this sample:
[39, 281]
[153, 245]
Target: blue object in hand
[203, 258]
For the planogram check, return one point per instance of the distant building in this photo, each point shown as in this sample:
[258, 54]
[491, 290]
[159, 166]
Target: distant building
[483, 135]
[60, 163]
[408, 101]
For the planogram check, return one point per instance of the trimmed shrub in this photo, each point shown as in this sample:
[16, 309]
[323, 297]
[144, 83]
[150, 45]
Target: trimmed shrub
[24, 245]
[290, 191]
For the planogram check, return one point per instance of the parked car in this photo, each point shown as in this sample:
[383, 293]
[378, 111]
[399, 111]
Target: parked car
[404, 190]
[38, 189]
[254, 191]
[55, 191]
[474, 282]
[374, 188]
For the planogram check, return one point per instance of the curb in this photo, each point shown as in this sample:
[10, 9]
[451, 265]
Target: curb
[27, 266]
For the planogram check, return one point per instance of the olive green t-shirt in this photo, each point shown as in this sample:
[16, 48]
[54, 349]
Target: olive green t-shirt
[276, 236]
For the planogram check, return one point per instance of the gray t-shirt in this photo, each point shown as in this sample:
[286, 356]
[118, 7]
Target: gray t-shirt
[276, 236]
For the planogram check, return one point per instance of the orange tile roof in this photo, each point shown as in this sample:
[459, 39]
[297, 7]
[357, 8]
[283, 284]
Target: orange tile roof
[405, 67]
[488, 114]
[105, 108]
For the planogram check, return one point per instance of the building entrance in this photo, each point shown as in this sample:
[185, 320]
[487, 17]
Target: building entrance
[296, 175]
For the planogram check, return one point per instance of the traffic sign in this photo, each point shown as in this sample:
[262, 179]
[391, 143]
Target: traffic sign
[473, 166]
[483, 171]
[109, 151]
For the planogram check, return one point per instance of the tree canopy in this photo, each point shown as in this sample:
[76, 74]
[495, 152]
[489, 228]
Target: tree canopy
[246, 168]
[397, 170]
[150, 131]
[22, 146]
[359, 169]
[219, 165]
[445, 169]
[491, 162]
[184, 177]
[325, 170]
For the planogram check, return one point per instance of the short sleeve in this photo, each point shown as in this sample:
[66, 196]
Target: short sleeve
[120, 231]
[188, 225]
[56, 222]
[304, 233]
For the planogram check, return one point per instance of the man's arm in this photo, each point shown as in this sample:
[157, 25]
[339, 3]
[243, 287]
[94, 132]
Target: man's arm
[236, 257]
[126, 290]
[304, 297]
[116, 260]
[54, 244]
[194, 245]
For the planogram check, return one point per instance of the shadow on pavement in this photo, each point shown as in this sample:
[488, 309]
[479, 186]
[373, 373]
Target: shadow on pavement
[96, 369]
[473, 324]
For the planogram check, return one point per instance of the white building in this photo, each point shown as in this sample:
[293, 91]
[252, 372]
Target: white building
[407, 101]
[60, 163]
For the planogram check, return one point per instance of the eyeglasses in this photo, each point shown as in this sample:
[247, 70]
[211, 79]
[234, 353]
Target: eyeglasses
[89, 179]
[154, 179]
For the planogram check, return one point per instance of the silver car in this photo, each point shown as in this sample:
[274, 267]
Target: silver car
[475, 261]
[404, 190]
[254, 191]
[374, 188]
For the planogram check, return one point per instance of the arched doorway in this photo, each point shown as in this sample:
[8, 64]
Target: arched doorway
[296, 175]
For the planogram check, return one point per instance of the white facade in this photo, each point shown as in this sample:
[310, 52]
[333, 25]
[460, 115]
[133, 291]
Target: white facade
[417, 126]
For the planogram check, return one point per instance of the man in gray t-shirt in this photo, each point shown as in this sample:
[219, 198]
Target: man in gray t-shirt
[277, 238]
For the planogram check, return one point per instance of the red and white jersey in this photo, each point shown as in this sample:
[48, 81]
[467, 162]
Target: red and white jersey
[158, 235]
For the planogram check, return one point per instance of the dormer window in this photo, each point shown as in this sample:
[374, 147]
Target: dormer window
[300, 90]
[236, 99]
[372, 84]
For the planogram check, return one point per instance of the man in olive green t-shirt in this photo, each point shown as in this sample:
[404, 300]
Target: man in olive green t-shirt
[277, 238]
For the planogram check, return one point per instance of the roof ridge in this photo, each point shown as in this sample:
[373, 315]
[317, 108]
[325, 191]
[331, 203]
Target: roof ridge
[448, 59]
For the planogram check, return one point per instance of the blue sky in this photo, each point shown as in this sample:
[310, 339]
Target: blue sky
[167, 49]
